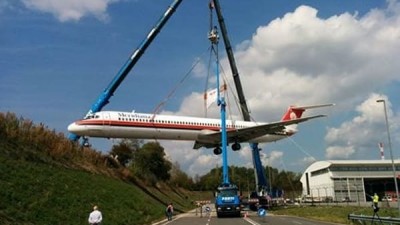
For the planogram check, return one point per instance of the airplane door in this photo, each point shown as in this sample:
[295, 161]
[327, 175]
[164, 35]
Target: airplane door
[106, 119]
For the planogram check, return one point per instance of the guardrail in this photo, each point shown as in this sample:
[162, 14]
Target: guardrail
[362, 219]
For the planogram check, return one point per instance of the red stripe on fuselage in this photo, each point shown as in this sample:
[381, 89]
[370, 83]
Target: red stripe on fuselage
[148, 125]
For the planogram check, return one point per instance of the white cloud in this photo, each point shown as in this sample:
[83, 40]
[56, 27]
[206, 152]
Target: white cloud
[193, 162]
[339, 152]
[362, 133]
[71, 10]
[304, 59]
[274, 158]
[301, 58]
[204, 163]
[308, 160]
[244, 157]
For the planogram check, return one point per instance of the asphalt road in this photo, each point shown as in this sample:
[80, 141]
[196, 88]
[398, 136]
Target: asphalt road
[251, 218]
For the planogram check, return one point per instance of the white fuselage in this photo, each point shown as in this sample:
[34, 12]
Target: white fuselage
[111, 124]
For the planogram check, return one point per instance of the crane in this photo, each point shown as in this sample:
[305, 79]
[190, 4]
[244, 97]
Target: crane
[227, 201]
[261, 182]
[105, 96]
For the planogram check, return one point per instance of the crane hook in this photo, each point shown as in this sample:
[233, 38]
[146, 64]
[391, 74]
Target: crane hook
[213, 35]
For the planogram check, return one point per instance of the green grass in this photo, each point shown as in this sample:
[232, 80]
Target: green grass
[334, 213]
[44, 192]
[35, 188]
[47, 179]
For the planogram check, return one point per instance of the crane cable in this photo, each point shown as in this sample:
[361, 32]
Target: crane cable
[214, 38]
[172, 92]
[213, 29]
[211, 50]
[302, 149]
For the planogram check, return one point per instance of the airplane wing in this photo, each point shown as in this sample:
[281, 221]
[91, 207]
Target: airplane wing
[245, 134]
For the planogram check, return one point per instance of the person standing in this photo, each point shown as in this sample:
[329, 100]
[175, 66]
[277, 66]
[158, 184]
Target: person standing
[95, 216]
[375, 200]
[169, 210]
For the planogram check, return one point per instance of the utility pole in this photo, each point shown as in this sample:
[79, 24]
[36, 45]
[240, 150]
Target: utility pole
[391, 153]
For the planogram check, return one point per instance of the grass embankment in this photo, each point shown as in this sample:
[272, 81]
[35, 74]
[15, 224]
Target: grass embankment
[335, 213]
[37, 189]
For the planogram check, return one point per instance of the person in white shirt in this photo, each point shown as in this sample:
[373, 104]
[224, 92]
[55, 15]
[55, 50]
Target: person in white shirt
[95, 217]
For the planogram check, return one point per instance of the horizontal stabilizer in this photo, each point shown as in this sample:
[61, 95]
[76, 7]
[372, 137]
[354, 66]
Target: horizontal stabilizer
[312, 106]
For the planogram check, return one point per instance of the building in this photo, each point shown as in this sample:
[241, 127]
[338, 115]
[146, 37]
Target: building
[349, 180]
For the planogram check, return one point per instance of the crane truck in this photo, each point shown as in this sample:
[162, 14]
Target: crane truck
[227, 199]
[261, 182]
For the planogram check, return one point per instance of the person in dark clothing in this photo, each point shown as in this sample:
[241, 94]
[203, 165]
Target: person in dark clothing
[169, 211]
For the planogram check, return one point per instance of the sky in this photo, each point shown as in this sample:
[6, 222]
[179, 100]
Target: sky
[56, 58]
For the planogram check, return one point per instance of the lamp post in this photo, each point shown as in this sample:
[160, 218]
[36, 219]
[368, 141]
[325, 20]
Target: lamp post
[391, 153]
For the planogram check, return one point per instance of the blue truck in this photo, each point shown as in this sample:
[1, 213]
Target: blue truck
[227, 201]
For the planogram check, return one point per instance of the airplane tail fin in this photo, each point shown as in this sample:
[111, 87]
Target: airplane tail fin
[294, 112]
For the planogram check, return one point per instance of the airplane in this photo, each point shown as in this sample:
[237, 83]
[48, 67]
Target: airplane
[205, 132]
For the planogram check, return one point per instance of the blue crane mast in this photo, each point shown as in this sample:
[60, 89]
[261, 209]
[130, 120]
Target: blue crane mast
[105, 96]
[261, 181]
[227, 201]
[221, 102]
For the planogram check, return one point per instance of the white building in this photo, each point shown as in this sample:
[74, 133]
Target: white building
[353, 180]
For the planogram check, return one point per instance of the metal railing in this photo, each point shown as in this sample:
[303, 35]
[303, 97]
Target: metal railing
[362, 219]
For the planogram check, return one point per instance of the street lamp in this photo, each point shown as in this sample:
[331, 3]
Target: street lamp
[391, 153]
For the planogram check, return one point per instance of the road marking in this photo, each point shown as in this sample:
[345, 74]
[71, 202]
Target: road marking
[251, 221]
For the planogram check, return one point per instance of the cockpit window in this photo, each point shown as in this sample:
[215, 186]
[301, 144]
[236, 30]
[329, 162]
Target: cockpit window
[91, 116]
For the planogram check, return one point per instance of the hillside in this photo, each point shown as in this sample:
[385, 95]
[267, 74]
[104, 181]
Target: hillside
[45, 179]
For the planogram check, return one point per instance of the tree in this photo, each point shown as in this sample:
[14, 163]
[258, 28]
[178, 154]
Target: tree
[149, 163]
[244, 178]
[124, 150]
[180, 178]
[211, 180]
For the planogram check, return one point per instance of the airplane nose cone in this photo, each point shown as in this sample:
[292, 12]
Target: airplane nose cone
[73, 128]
